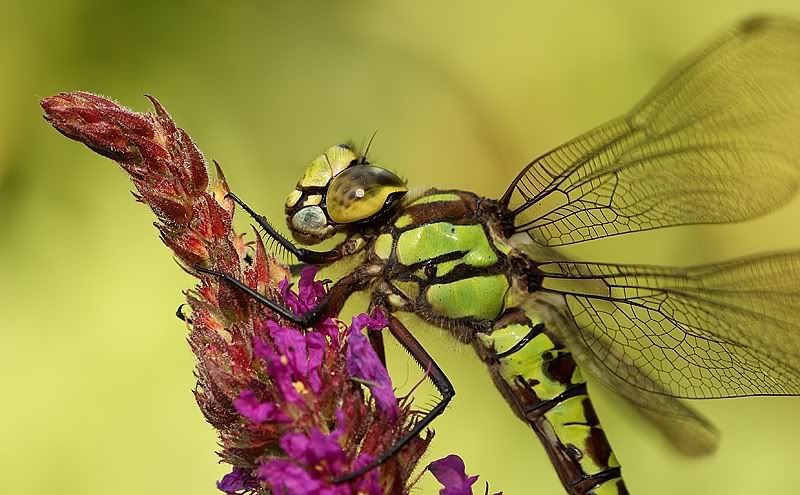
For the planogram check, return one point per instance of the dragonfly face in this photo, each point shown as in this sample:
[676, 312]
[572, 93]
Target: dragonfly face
[715, 142]
[340, 191]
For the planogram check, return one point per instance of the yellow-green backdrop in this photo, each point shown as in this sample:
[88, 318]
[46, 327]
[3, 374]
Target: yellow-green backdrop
[95, 375]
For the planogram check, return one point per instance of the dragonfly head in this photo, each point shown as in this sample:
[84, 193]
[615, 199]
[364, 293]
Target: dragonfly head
[340, 191]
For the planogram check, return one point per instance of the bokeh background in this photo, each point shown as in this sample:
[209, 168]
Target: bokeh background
[95, 373]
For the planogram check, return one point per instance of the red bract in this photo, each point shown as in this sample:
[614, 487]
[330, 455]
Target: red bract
[288, 403]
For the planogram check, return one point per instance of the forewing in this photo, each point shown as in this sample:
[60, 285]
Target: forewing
[715, 142]
[687, 430]
[723, 330]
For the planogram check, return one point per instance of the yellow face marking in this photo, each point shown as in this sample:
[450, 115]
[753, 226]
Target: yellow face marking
[312, 200]
[293, 198]
[318, 174]
[325, 167]
[339, 158]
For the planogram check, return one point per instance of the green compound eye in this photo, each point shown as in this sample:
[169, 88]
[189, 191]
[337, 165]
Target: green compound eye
[361, 192]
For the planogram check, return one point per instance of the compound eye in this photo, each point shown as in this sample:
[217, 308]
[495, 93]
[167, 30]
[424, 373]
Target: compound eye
[311, 222]
[361, 192]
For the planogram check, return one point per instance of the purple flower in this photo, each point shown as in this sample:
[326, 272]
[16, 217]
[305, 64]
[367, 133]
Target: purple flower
[315, 448]
[287, 478]
[257, 411]
[309, 291]
[315, 459]
[363, 363]
[280, 372]
[451, 473]
[237, 481]
[293, 360]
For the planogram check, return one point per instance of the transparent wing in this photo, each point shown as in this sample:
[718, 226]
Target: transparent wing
[715, 142]
[686, 429]
[723, 330]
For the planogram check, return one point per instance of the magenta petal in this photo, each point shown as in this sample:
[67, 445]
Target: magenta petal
[290, 298]
[280, 372]
[330, 329]
[296, 446]
[287, 478]
[363, 363]
[325, 449]
[237, 481]
[256, 411]
[451, 473]
[369, 483]
[315, 448]
[315, 344]
[376, 321]
[309, 291]
[290, 343]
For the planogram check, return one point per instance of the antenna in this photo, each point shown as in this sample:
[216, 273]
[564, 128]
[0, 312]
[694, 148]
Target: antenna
[364, 157]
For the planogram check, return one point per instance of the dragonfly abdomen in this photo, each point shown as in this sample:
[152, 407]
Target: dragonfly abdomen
[545, 387]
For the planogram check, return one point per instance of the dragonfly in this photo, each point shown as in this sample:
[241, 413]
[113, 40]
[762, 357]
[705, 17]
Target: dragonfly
[716, 141]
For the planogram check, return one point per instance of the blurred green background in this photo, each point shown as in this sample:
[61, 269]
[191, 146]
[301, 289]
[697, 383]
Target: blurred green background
[94, 369]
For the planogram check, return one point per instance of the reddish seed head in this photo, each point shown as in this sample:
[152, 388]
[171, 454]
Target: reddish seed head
[289, 413]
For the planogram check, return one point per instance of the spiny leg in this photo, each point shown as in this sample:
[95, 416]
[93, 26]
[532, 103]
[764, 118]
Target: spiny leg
[302, 254]
[331, 303]
[437, 377]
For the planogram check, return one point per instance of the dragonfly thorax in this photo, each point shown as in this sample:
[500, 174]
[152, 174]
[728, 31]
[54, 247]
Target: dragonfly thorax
[443, 261]
[340, 191]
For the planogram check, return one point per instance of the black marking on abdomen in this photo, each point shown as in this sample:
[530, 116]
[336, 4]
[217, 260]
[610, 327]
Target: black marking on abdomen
[536, 330]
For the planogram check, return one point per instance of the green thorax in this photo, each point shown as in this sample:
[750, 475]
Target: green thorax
[443, 257]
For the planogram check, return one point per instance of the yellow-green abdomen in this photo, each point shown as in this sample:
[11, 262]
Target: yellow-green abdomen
[544, 386]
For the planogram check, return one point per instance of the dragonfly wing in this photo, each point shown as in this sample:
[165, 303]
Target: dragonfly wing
[654, 334]
[724, 330]
[721, 128]
[686, 429]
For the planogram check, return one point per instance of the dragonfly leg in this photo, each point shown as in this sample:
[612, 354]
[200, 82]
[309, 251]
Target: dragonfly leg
[181, 315]
[302, 254]
[437, 377]
[376, 340]
[332, 303]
